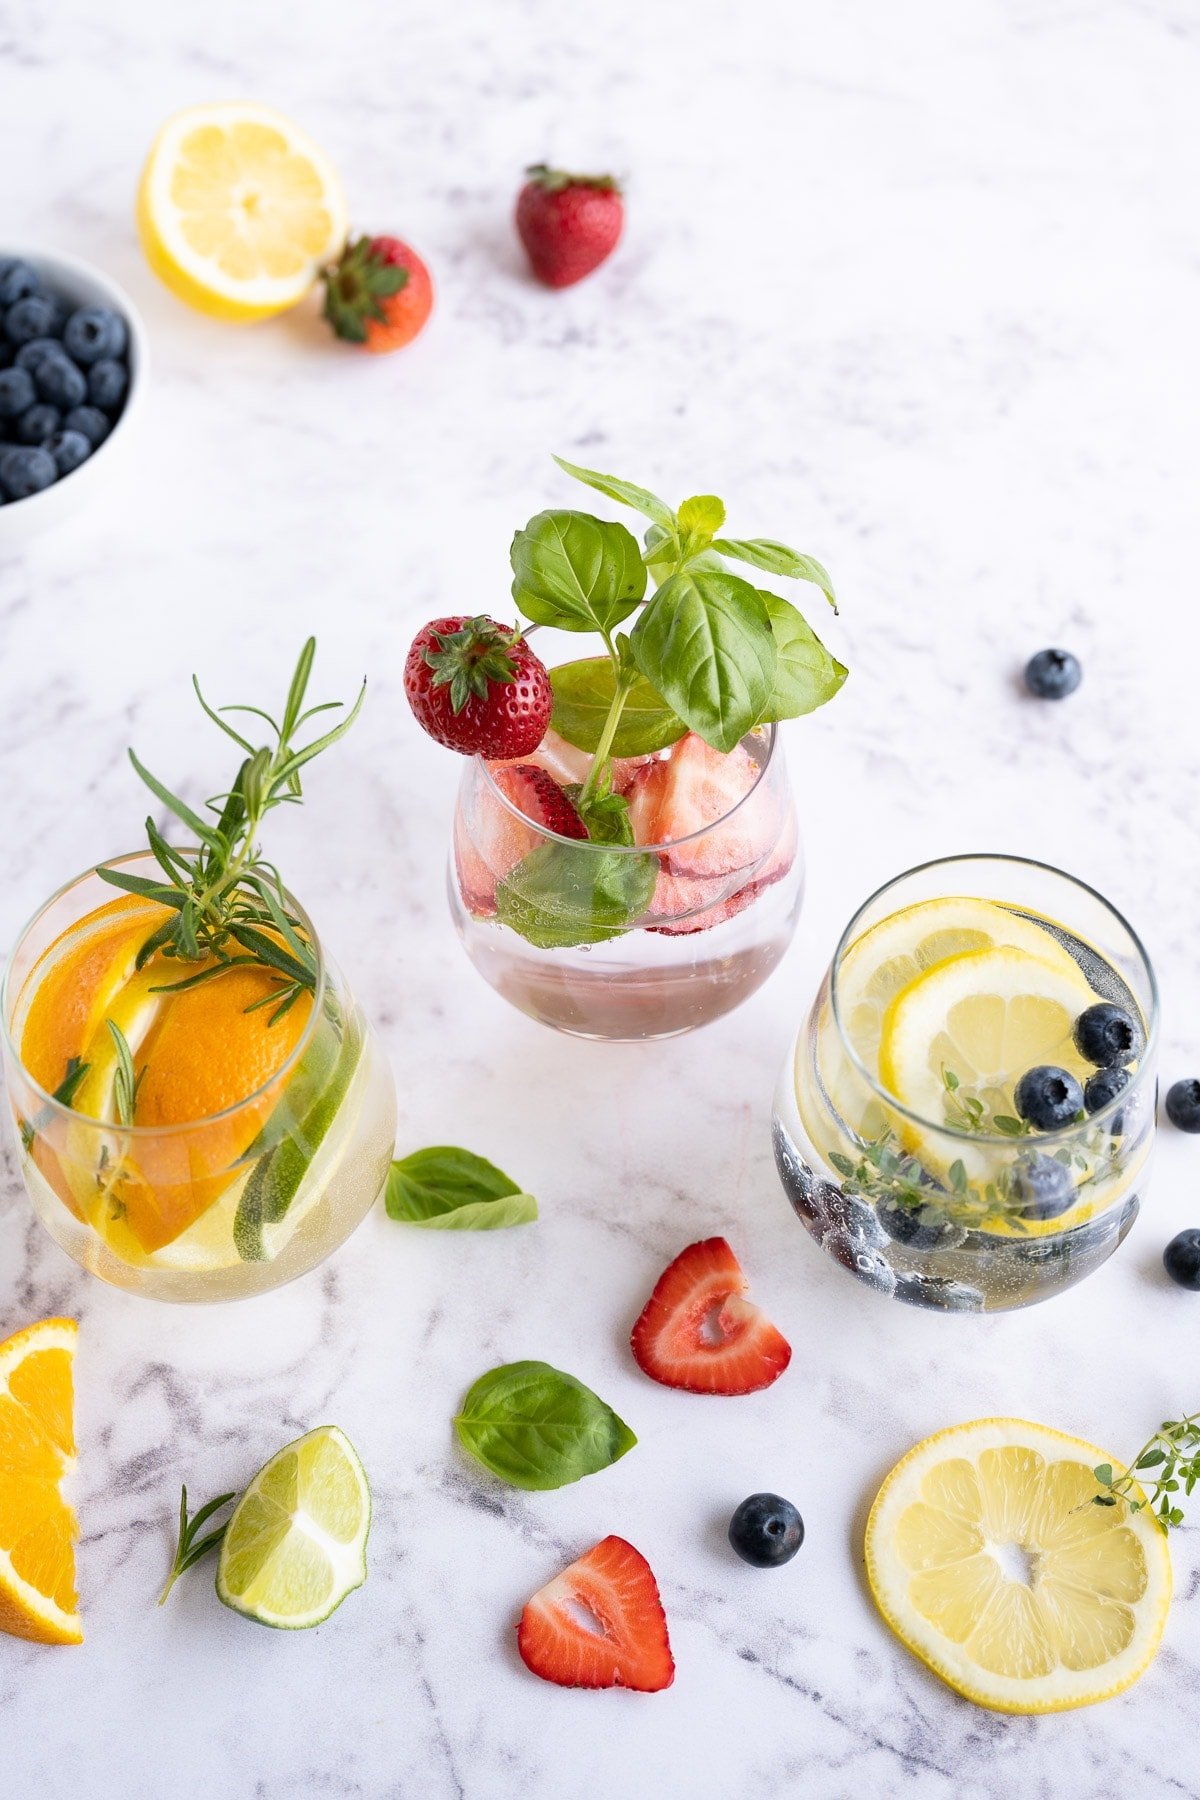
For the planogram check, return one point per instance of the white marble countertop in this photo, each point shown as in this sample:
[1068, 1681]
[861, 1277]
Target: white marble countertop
[913, 287]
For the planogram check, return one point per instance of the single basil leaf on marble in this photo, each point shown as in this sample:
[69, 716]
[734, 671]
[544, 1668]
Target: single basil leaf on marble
[806, 675]
[704, 642]
[447, 1189]
[777, 559]
[583, 696]
[576, 572]
[536, 1427]
[640, 499]
[565, 894]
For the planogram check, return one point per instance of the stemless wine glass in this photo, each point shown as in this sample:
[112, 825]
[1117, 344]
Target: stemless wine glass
[219, 1207]
[628, 941]
[962, 1206]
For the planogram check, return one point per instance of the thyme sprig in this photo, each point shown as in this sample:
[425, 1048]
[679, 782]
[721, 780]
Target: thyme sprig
[966, 1112]
[1173, 1454]
[228, 901]
[191, 1547]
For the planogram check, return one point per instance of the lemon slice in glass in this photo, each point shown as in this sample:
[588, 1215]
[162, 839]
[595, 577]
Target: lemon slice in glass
[238, 210]
[297, 1542]
[988, 1560]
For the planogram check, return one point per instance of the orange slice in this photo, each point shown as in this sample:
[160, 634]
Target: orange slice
[37, 1448]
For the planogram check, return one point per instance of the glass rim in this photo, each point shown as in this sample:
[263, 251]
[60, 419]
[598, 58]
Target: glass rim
[1063, 1133]
[57, 1107]
[593, 844]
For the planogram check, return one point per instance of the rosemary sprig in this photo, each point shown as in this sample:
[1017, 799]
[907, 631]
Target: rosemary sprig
[1173, 1453]
[227, 900]
[64, 1093]
[190, 1547]
[125, 1078]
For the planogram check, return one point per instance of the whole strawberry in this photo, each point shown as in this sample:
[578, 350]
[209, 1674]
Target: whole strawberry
[568, 223]
[478, 688]
[378, 294]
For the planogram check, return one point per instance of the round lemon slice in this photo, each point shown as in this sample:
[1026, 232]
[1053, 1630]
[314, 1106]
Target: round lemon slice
[238, 209]
[989, 1561]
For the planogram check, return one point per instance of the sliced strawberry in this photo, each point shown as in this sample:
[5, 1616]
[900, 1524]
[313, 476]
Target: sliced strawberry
[689, 791]
[677, 896]
[697, 1332]
[628, 1645]
[490, 844]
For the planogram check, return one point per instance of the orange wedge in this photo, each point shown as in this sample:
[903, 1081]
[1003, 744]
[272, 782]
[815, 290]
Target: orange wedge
[37, 1448]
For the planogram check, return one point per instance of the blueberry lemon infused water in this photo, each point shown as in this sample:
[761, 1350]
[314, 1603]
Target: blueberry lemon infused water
[201, 1108]
[967, 1119]
[625, 858]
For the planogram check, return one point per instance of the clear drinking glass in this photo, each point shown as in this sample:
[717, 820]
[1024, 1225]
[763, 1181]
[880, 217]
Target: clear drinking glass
[219, 1207]
[680, 931]
[927, 1206]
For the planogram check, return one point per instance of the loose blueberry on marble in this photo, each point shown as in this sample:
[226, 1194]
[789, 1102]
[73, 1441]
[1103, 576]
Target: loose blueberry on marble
[1183, 1104]
[1181, 1260]
[1053, 674]
[89, 420]
[26, 471]
[1106, 1035]
[17, 279]
[92, 333]
[35, 316]
[37, 424]
[766, 1531]
[1048, 1097]
[1042, 1188]
[69, 449]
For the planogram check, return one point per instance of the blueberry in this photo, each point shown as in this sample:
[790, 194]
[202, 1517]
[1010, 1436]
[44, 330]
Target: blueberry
[1101, 1088]
[16, 280]
[39, 423]
[16, 392]
[936, 1292]
[1053, 674]
[60, 383]
[35, 316]
[1183, 1104]
[1048, 1097]
[107, 381]
[1107, 1035]
[32, 353]
[91, 422]
[8, 355]
[24, 472]
[766, 1531]
[1181, 1260]
[919, 1227]
[94, 332]
[1043, 1188]
[69, 449]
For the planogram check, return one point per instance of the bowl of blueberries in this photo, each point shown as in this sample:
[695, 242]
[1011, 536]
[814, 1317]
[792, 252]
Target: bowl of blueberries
[73, 366]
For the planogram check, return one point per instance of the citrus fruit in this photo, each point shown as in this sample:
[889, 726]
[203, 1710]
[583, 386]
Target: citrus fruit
[37, 1448]
[70, 989]
[296, 1544]
[988, 1559]
[238, 210]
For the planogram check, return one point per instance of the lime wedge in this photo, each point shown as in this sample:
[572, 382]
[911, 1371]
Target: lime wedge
[297, 1542]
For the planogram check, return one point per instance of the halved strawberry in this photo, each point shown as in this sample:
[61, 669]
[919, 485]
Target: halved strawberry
[697, 1332]
[628, 1646]
[689, 791]
[677, 896]
[490, 842]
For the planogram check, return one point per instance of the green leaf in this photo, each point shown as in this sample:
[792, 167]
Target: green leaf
[583, 697]
[576, 572]
[777, 559]
[704, 642]
[806, 675]
[563, 894]
[640, 499]
[453, 1190]
[1104, 1474]
[605, 814]
[701, 517]
[139, 884]
[1151, 1460]
[174, 804]
[536, 1427]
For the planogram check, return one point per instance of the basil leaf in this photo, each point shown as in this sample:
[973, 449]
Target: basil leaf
[806, 676]
[576, 572]
[703, 514]
[777, 559]
[641, 499]
[536, 1427]
[606, 816]
[704, 641]
[448, 1189]
[562, 894]
[583, 696]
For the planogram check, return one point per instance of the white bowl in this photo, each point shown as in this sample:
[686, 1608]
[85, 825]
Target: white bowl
[80, 284]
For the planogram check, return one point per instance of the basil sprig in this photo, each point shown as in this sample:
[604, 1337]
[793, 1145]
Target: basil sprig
[447, 1189]
[536, 1427]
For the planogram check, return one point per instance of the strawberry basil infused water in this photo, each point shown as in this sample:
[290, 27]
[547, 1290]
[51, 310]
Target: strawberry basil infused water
[626, 859]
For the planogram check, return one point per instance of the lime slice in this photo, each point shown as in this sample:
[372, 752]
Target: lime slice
[297, 1542]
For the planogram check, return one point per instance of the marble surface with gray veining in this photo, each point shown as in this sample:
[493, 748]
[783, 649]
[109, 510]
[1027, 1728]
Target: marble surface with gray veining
[914, 287]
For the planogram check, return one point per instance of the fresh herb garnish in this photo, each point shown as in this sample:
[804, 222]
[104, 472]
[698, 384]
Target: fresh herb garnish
[228, 902]
[125, 1077]
[448, 1189]
[1171, 1459]
[190, 1547]
[536, 1427]
[64, 1093]
[965, 1112]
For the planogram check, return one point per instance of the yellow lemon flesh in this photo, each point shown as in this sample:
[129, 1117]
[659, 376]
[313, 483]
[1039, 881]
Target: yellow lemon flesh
[987, 1558]
[238, 210]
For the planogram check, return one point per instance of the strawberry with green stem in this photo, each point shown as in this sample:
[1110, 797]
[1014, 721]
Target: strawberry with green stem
[378, 294]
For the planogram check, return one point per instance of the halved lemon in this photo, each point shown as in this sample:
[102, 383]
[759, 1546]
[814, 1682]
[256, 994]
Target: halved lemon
[238, 210]
[989, 1561]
